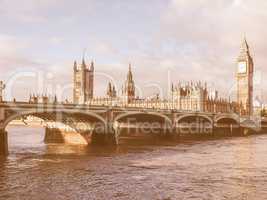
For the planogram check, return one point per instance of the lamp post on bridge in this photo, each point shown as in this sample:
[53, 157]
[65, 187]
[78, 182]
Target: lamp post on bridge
[2, 87]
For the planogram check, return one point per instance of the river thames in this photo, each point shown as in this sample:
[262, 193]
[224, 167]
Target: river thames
[229, 168]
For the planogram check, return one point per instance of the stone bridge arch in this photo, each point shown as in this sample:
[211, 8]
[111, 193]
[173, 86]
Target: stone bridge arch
[140, 114]
[64, 116]
[250, 125]
[231, 118]
[144, 124]
[194, 123]
[193, 116]
[227, 124]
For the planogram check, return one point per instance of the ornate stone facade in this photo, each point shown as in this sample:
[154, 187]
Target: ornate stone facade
[2, 87]
[83, 89]
[196, 97]
[184, 96]
[244, 74]
[45, 99]
[190, 96]
[111, 91]
[128, 89]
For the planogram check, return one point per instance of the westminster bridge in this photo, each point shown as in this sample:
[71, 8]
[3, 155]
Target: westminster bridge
[106, 123]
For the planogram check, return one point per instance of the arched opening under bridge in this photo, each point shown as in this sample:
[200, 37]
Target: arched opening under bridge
[194, 125]
[225, 126]
[36, 128]
[142, 127]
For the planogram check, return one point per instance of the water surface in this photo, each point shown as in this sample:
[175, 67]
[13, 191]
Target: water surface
[230, 168]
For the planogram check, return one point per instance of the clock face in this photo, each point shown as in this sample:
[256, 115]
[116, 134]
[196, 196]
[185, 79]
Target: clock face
[242, 67]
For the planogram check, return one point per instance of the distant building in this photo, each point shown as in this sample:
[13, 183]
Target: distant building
[2, 87]
[111, 91]
[258, 106]
[244, 75]
[45, 99]
[128, 90]
[190, 96]
[83, 89]
[196, 97]
[187, 96]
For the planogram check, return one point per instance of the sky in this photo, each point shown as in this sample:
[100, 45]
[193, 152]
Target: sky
[164, 40]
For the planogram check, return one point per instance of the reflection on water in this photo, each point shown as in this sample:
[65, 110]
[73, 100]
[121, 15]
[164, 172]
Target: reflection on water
[233, 168]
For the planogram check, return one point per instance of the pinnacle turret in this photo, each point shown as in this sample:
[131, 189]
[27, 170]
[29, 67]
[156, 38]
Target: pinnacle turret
[83, 63]
[129, 87]
[75, 67]
[92, 67]
[244, 50]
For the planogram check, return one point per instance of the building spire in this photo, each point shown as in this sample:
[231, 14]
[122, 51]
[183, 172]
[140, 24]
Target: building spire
[92, 67]
[244, 45]
[83, 59]
[129, 88]
[84, 52]
[75, 65]
[83, 62]
[130, 75]
[244, 49]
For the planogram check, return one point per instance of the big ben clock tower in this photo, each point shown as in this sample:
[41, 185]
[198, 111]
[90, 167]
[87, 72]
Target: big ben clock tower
[245, 70]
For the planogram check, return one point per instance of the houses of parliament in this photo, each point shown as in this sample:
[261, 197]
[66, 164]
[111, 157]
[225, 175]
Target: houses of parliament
[183, 96]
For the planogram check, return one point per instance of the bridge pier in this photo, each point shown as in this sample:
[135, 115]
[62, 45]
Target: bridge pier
[115, 136]
[105, 135]
[61, 136]
[112, 135]
[107, 138]
[245, 131]
[3, 143]
[98, 138]
[53, 135]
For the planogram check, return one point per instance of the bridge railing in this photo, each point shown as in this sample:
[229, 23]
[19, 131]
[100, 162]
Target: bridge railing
[108, 103]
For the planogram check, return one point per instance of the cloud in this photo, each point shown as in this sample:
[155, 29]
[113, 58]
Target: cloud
[57, 40]
[17, 69]
[209, 34]
[177, 39]
[11, 56]
[42, 11]
[26, 11]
